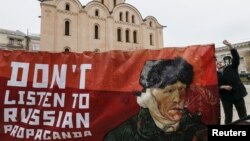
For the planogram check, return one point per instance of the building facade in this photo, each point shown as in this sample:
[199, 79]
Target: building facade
[12, 40]
[33, 42]
[17, 40]
[244, 52]
[100, 25]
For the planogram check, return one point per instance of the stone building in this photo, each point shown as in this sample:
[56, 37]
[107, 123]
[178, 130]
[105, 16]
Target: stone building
[34, 42]
[244, 52]
[100, 25]
[17, 40]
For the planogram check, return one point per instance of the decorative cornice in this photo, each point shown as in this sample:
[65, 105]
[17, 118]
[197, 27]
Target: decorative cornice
[159, 27]
[67, 12]
[97, 18]
[46, 4]
[126, 23]
[151, 28]
[244, 44]
[237, 45]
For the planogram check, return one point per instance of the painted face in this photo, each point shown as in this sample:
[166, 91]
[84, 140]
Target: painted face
[170, 100]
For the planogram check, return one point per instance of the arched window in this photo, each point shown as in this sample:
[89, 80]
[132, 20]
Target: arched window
[150, 24]
[96, 50]
[133, 19]
[114, 3]
[96, 32]
[67, 49]
[126, 16]
[127, 35]
[97, 12]
[119, 34]
[135, 36]
[67, 7]
[121, 16]
[151, 39]
[67, 26]
[11, 41]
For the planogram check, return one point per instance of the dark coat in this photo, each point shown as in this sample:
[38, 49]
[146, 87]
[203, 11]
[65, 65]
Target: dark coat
[230, 76]
[143, 128]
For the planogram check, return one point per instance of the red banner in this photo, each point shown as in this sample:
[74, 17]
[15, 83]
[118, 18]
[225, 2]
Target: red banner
[86, 96]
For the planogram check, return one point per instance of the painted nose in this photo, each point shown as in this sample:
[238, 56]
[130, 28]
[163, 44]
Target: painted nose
[176, 96]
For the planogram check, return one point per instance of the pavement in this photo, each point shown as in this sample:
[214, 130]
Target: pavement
[235, 115]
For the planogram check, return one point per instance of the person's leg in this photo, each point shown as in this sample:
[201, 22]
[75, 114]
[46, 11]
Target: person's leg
[228, 110]
[240, 107]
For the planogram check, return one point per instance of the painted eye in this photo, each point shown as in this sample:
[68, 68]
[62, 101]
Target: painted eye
[181, 89]
[170, 91]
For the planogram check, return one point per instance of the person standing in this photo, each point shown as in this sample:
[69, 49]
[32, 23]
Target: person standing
[231, 89]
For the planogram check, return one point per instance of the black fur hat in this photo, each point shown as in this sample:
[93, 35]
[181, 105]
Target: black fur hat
[159, 73]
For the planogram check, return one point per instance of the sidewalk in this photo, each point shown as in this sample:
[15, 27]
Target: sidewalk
[235, 115]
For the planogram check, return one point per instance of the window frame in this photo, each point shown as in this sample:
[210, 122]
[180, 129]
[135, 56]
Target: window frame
[97, 14]
[96, 31]
[67, 28]
[119, 34]
[135, 34]
[67, 7]
[127, 16]
[151, 40]
[127, 32]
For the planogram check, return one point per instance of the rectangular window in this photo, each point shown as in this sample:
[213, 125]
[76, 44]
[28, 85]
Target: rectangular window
[35, 47]
[126, 16]
[243, 72]
[114, 3]
[11, 41]
[127, 36]
[67, 25]
[96, 32]
[119, 38]
[19, 42]
[135, 36]
[151, 40]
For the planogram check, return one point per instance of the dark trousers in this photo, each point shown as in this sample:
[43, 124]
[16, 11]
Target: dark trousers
[228, 109]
